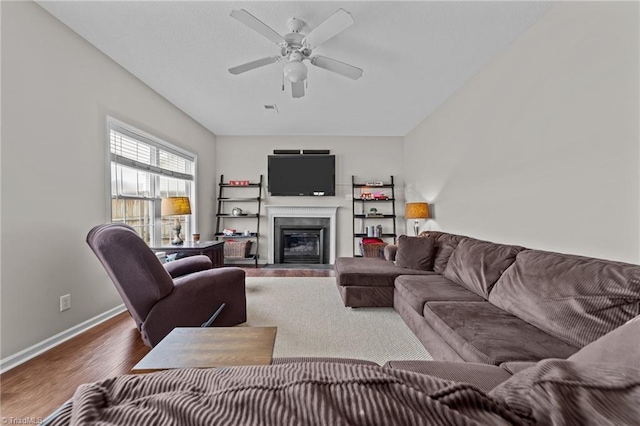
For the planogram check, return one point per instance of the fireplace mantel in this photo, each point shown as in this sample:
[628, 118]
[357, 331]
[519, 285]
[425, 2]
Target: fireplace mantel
[303, 211]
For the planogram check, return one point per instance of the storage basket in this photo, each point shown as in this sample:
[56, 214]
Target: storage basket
[237, 249]
[373, 250]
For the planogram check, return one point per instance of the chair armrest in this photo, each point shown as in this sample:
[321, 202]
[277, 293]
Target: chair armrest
[390, 252]
[188, 265]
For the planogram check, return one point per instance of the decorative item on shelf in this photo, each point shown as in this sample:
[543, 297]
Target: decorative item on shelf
[374, 183]
[237, 211]
[417, 211]
[372, 247]
[380, 196]
[378, 231]
[246, 233]
[196, 238]
[373, 212]
[239, 182]
[237, 249]
[175, 206]
[228, 232]
[366, 196]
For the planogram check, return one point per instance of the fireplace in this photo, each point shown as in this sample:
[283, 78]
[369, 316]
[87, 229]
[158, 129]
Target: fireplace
[301, 240]
[317, 220]
[301, 244]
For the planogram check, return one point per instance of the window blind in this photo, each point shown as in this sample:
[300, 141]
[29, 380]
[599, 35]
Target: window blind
[138, 152]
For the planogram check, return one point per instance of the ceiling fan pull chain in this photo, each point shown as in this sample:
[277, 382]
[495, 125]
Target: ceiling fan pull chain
[283, 82]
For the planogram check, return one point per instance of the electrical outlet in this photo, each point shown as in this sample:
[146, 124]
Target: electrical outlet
[65, 302]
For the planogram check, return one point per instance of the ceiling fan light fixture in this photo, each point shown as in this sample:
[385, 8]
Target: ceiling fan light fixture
[295, 71]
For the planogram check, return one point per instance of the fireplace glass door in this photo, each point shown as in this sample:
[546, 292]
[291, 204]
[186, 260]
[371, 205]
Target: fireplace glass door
[302, 245]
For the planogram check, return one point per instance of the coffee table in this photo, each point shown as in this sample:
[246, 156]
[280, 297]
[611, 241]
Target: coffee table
[207, 347]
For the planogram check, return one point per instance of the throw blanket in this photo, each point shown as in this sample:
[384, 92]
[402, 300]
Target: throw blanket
[554, 391]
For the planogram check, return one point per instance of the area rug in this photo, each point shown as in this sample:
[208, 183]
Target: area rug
[313, 322]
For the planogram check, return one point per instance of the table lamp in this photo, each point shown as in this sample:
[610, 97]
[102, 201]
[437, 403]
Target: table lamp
[175, 206]
[417, 211]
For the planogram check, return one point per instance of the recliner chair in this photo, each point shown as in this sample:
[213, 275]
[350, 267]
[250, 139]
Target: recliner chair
[184, 294]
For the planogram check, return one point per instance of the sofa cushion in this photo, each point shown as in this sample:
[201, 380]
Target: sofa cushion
[477, 265]
[445, 245]
[620, 347]
[419, 289]
[369, 272]
[481, 332]
[415, 253]
[575, 298]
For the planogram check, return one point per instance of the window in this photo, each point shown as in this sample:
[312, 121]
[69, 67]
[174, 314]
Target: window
[143, 170]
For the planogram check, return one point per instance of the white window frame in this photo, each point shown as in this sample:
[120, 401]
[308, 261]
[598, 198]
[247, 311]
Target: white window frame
[113, 123]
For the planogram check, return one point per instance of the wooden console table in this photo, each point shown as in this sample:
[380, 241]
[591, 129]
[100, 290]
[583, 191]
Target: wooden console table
[208, 347]
[213, 249]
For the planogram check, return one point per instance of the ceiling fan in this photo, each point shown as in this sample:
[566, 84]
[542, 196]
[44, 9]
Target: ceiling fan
[296, 48]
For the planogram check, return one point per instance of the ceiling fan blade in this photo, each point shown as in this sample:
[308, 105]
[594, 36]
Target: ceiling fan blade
[257, 25]
[253, 65]
[335, 23]
[297, 89]
[338, 67]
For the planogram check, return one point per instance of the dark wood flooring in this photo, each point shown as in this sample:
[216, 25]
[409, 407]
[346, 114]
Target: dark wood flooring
[40, 385]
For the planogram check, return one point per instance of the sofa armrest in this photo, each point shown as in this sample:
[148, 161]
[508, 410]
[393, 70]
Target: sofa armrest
[188, 265]
[390, 252]
[515, 367]
[483, 376]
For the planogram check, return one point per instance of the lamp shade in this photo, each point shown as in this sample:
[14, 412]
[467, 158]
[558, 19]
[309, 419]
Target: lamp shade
[174, 206]
[417, 211]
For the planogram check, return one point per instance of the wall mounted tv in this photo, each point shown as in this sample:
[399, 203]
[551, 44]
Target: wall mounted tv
[302, 175]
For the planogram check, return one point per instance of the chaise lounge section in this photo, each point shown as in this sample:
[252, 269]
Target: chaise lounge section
[489, 303]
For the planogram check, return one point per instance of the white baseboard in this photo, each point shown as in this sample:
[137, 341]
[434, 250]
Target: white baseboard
[24, 355]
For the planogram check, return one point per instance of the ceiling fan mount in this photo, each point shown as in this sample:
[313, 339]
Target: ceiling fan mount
[296, 47]
[294, 43]
[295, 25]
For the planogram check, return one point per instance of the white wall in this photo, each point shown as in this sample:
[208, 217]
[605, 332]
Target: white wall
[56, 93]
[541, 148]
[367, 158]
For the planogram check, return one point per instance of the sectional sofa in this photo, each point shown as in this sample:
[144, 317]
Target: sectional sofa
[598, 385]
[478, 301]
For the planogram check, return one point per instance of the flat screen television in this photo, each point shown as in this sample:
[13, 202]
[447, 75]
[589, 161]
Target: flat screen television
[302, 175]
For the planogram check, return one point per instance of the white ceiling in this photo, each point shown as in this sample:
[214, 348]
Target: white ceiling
[415, 55]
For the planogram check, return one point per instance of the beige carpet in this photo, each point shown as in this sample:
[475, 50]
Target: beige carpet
[312, 321]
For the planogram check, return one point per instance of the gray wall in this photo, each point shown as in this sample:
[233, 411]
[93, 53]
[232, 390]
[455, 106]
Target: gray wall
[367, 158]
[541, 148]
[56, 93]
